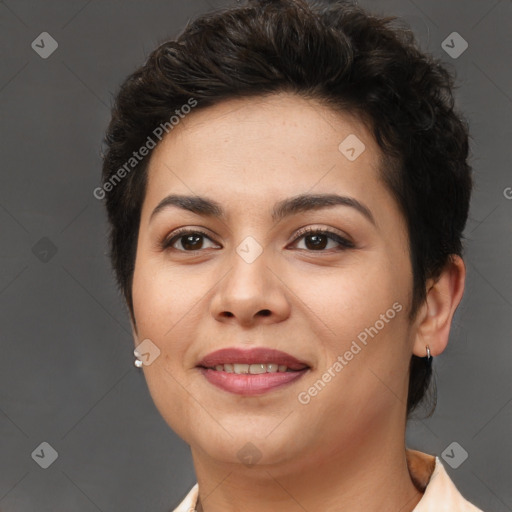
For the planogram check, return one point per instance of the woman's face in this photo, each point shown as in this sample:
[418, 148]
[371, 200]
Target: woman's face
[337, 302]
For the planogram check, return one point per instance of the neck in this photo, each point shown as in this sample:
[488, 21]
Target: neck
[370, 475]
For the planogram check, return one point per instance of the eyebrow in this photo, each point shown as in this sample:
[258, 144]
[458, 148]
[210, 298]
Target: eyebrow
[282, 209]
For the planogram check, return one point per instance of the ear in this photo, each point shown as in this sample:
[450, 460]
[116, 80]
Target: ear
[434, 318]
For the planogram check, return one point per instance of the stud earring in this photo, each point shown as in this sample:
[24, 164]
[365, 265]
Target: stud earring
[138, 363]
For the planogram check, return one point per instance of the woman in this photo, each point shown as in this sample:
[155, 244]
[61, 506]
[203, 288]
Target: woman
[287, 186]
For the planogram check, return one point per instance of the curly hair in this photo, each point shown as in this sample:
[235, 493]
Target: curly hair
[331, 51]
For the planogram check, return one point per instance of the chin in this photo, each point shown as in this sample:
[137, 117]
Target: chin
[250, 444]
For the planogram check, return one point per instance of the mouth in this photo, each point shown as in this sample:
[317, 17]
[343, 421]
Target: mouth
[251, 371]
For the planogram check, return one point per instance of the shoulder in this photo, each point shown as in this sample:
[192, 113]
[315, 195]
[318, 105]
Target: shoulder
[189, 502]
[441, 494]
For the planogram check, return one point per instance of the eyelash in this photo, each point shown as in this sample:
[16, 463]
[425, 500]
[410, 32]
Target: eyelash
[343, 242]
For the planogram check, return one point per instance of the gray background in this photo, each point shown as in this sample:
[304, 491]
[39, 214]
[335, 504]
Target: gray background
[66, 366]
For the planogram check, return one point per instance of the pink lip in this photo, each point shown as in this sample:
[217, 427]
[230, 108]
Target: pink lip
[248, 384]
[251, 356]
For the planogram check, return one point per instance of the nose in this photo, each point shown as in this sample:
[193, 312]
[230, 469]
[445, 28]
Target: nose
[251, 293]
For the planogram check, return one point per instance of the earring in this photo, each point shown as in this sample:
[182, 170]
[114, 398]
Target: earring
[138, 363]
[429, 357]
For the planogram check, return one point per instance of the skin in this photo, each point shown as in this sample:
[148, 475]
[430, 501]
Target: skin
[310, 302]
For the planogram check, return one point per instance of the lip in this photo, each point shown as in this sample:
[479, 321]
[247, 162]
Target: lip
[251, 356]
[251, 384]
[248, 384]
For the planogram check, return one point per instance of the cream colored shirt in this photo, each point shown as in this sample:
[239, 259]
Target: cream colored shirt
[440, 493]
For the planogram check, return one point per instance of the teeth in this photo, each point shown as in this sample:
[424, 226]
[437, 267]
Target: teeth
[253, 369]
[241, 368]
[258, 368]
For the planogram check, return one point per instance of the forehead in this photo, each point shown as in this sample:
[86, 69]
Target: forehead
[252, 148]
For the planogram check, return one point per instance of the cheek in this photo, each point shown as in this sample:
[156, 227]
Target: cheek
[365, 310]
[160, 298]
[159, 304]
[354, 299]
[148, 302]
[169, 305]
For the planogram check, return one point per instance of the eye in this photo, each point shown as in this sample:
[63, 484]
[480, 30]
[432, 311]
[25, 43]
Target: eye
[189, 239]
[315, 240]
[318, 239]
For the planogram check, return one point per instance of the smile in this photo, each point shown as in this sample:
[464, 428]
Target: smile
[253, 369]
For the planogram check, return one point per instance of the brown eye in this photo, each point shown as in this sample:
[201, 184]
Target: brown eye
[318, 240]
[189, 241]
